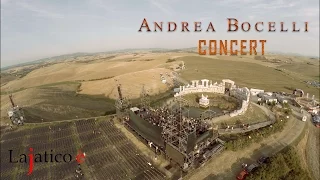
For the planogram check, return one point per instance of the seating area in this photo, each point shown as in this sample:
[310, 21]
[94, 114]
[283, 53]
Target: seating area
[109, 153]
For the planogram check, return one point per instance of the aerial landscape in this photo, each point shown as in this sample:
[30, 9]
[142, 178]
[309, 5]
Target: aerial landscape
[160, 90]
[98, 102]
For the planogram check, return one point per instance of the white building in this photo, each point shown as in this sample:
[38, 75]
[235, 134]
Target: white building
[269, 99]
[255, 92]
[228, 81]
[269, 93]
[134, 109]
[314, 110]
[281, 99]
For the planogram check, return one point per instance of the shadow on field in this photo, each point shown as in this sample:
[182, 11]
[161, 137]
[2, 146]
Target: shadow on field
[58, 104]
[62, 102]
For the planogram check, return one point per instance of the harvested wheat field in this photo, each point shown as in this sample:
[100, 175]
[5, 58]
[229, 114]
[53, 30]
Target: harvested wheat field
[75, 71]
[131, 83]
[85, 86]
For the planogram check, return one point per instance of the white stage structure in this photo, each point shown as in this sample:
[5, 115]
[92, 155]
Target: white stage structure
[204, 101]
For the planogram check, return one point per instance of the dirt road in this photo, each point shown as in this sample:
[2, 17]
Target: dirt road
[228, 164]
[312, 150]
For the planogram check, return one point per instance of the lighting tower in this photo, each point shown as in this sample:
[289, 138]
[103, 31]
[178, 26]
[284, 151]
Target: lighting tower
[145, 99]
[15, 113]
[179, 127]
[122, 104]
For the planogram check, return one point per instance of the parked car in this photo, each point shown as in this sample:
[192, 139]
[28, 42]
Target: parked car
[242, 175]
[263, 159]
[246, 170]
[252, 167]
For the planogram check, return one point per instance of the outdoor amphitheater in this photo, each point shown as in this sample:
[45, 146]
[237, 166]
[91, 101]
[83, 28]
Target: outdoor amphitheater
[226, 87]
[185, 140]
[180, 130]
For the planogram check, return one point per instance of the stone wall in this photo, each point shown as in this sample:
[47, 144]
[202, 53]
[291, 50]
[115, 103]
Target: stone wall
[242, 94]
[197, 87]
[205, 85]
[255, 92]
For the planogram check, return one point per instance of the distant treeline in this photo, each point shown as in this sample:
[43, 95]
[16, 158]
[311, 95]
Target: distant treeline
[164, 51]
[147, 60]
[97, 79]
[170, 60]
[260, 58]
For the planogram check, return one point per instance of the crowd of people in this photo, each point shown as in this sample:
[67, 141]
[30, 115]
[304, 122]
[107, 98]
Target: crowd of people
[159, 117]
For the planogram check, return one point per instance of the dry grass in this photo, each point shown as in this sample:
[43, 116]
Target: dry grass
[247, 74]
[311, 71]
[228, 161]
[301, 150]
[216, 100]
[131, 83]
[72, 71]
[252, 115]
[135, 69]
[313, 150]
[57, 102]
[22, 98]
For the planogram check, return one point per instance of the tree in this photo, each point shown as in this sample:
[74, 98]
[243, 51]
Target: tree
[284, 165]
[238, 122]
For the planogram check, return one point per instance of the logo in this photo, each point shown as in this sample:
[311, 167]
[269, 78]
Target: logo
[45, 157]
[80, 157]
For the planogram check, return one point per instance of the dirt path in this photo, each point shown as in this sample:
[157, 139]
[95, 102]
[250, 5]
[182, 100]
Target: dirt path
[228, 164]
[301, 150]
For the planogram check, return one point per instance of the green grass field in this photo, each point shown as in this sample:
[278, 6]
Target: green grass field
[252, 115]
[61, 102]
[310, 71]
[216, 100]
[244, 74]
